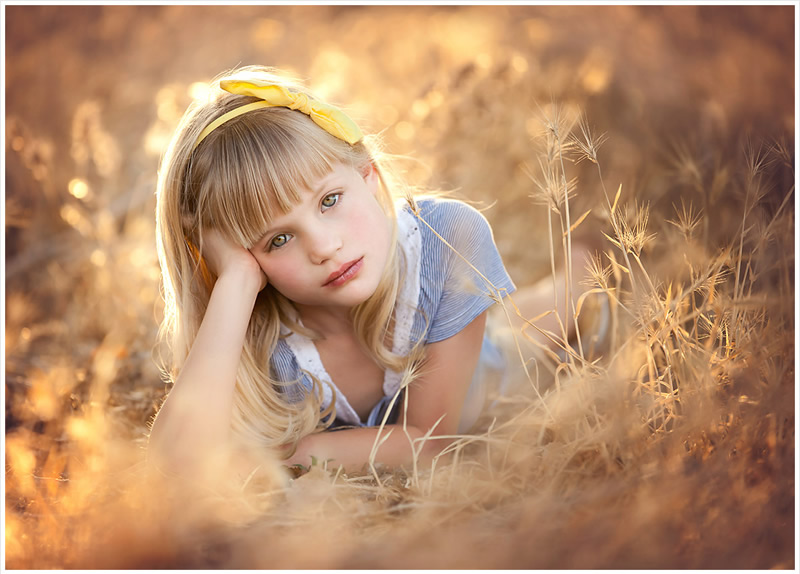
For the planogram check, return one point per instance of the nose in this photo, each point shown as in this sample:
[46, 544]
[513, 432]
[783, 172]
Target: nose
[323, 245]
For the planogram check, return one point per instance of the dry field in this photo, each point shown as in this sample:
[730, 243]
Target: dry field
[674, 449]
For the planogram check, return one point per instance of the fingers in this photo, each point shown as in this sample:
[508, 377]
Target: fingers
[265, 279]
[223, 255]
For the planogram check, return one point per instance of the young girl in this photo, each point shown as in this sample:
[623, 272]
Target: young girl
[306, 292]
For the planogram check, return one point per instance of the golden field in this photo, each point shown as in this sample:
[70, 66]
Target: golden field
[674, 449]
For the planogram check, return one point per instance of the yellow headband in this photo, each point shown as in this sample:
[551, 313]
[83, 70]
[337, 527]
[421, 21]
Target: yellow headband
[329, 118]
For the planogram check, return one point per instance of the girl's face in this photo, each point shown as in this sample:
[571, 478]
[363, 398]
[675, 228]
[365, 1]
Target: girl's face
[330, 250]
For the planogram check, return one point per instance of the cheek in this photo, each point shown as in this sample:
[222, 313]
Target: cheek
[283, 273]
[371, 226]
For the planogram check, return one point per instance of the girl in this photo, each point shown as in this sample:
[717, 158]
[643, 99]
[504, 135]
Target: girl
[306, 292]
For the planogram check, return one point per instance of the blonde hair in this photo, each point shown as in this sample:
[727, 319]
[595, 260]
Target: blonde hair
[245, 173]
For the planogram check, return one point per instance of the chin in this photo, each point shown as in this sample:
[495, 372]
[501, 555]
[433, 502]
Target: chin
[361, 291]
[360, 296]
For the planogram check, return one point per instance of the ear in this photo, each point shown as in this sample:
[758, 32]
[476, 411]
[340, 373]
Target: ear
[370, 174]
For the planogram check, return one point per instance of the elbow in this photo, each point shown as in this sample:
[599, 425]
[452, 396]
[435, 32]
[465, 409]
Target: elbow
[163, 459]
[434, 447]
[209, 466]
[162, 455]
[169, 456]
[430, 448]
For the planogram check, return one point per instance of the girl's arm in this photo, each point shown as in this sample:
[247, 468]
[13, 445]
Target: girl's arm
[440, 390]
[193, 424]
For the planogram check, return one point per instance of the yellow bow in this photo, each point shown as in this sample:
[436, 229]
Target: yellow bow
[331, 119]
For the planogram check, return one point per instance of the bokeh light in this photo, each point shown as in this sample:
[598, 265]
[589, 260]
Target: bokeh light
[79, 188]
[679, 453]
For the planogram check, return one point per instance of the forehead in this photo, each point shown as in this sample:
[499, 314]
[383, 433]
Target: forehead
[338, 173]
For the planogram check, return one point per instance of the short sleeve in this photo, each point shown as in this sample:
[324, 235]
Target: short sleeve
[461, 280]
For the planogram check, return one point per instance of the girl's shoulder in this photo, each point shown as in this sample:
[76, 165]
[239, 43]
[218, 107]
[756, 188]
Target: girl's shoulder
[453, 219]
[458, 223]
[444, 207]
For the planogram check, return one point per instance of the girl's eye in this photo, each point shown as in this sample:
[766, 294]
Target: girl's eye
[330, 200]
[279, 241]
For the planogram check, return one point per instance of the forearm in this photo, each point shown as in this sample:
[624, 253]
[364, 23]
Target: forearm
[352, 448]
[195, 419]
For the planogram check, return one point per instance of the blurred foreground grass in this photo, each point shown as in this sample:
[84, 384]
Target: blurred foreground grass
[675, 450]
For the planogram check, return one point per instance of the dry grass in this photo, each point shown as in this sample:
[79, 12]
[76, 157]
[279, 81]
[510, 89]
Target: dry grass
[674, 449]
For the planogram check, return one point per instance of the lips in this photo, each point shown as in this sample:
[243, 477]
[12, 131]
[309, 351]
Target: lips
[344, 274]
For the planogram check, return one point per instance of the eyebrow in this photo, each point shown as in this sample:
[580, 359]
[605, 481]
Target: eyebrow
[325, 182]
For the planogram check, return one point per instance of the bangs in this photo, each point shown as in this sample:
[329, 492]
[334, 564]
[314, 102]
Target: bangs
[257, 167]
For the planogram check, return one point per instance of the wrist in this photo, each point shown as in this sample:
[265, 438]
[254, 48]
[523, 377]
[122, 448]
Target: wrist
[243, 277]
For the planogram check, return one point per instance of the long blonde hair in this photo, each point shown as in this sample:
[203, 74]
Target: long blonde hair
[245, 173]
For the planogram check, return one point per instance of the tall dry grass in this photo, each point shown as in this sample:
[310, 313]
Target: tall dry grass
[671, 445]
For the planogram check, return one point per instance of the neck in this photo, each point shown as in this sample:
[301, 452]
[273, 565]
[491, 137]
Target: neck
[326, 321]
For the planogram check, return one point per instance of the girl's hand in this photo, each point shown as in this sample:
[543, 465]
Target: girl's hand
[224, 257]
